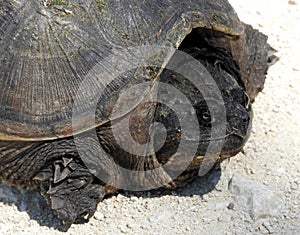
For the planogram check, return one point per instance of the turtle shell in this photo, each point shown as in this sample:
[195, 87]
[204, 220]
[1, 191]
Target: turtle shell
[48, 47]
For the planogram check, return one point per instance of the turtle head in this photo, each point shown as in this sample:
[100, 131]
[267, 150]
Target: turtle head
[224, 123]
[231, 129]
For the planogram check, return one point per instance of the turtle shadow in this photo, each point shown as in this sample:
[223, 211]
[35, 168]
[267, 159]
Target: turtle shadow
[32, 203]
[198, 186]
[202, 185]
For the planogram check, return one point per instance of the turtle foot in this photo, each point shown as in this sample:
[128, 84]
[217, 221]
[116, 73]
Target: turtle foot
[70, 190]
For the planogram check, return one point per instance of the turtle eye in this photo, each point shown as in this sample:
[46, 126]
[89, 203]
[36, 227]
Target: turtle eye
[203, 112]
[206, 116]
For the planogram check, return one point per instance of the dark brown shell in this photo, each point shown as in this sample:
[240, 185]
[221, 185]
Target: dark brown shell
[46, 50]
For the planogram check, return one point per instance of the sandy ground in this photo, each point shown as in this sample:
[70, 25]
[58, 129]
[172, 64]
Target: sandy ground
[271, 158]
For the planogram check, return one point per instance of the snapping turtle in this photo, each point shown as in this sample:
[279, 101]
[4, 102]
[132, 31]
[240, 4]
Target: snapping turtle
[63, 128]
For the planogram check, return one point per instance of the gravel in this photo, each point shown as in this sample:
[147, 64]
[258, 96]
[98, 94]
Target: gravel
[270, 159]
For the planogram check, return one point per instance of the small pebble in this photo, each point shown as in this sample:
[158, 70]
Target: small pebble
[130, 226]
[294, 186]
[205, 197]
[122, 229]
[99, 216]
[230, 206]
[134, 199]
[293, 2]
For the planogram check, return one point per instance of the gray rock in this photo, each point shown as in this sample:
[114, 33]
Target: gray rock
[258, 200]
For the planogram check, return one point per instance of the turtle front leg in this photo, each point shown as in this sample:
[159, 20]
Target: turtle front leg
[74, 182]
[55, 169]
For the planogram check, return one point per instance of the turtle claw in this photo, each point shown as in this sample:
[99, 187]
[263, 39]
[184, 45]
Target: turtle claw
[59, 173]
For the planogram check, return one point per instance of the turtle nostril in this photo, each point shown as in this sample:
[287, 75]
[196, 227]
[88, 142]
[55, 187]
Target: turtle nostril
[245, 117]
[243, 114]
